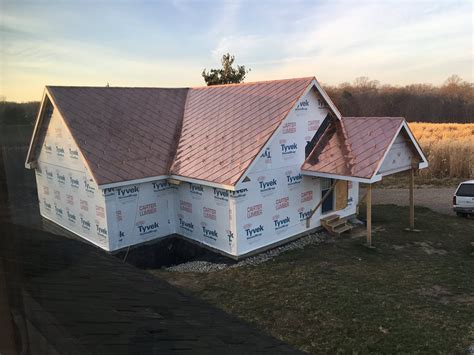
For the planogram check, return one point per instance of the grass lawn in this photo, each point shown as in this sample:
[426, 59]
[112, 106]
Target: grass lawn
[413, 293]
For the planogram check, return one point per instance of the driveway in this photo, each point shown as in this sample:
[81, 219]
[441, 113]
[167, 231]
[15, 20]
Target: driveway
[439, 199]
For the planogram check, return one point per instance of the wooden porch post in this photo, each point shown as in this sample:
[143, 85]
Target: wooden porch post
[369, 215]
[412, 199]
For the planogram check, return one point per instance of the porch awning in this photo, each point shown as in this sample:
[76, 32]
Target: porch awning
[363, 149]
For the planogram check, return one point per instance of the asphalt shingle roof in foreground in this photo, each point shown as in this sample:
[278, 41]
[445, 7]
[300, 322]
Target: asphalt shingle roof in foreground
[75, 298]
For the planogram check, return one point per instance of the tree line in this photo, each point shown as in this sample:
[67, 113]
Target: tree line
[453, 101]
[14, 113]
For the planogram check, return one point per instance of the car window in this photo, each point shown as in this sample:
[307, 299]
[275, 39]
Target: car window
[466, 190]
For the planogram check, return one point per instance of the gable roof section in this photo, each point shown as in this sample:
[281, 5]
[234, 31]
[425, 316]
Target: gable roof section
[204, 135]
[123, 133]
[356, 147]
[226, 126]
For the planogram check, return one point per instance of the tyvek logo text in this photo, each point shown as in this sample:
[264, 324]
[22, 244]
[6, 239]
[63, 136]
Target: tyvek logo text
[161, 186]
[61, 178]
[127, 192]
[71, 216]
[267, 185]
[88, 187]
[221, 194]
[281, 223]
[108, 192]
[287, 149]
[238, 193]
[73, 153]
[187, 226]
[304, 215]
[74, 182]
[101, 231]
[251, 233]
[209, 233]
[86, 224]
[150, 228]
[196, 189]
[294, 179]
[59, 151]
[302, 105]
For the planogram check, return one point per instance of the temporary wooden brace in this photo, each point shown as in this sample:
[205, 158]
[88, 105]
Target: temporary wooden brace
[360, 202]
[369, 215]
[326, 195]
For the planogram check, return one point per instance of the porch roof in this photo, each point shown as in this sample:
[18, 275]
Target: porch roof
[356, 148]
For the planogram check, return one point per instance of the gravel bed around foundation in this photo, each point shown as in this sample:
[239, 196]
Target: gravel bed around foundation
[209, 266]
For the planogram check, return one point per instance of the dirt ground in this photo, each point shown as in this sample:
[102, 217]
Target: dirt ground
[439, 199]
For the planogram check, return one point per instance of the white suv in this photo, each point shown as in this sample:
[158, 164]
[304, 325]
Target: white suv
[463, 199]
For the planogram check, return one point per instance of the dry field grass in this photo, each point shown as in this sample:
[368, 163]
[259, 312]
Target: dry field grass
[449, 148]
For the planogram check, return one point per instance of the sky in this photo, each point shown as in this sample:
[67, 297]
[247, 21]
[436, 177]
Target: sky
[169, 43]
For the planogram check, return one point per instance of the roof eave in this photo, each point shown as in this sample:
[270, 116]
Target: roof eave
[29, 162]
[365, 180]
[51, 97]
[204, 182]
[403, 125]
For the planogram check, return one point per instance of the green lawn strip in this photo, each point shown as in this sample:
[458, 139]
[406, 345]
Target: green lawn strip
[342, 296]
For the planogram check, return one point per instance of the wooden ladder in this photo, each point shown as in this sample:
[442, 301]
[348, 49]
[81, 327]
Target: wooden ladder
[335, 225]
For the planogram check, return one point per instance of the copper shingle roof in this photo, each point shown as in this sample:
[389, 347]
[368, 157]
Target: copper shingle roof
[123, 133]
[225, 127]
[353, 147]
[206, 133]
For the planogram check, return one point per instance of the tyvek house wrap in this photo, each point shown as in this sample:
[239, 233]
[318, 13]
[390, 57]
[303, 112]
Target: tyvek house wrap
[207, 215]
[114, 218]
[144, 212]
[270, 207]
[67, 192]
[277, 199]
[139, 213]
[399, 157]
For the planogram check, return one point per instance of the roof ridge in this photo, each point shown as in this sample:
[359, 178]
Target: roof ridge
[389, 117]
[116, 87]
[179, 87]
[252, 82]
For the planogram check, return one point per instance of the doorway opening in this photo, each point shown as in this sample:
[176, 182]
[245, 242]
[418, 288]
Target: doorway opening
[328, 203]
